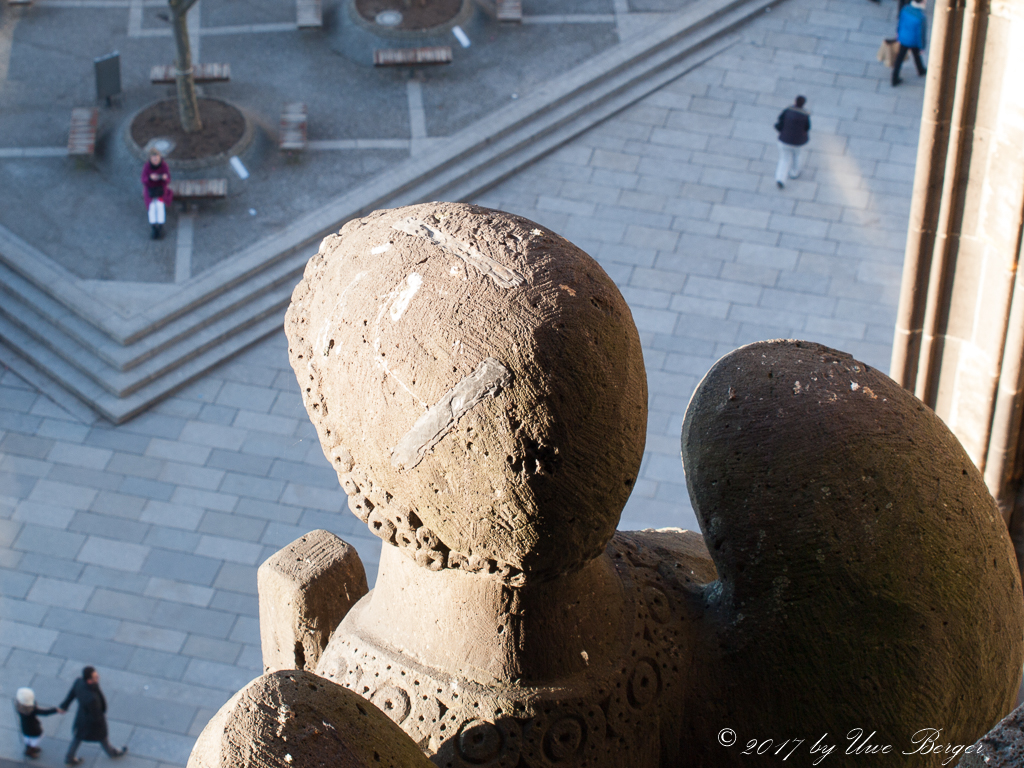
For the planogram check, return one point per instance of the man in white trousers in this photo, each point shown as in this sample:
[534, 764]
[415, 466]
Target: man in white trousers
[794, 126]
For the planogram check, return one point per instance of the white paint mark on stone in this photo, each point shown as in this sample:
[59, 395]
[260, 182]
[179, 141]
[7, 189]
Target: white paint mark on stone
[18, 152]
[417, 116]
[402, 302]
[284, 714]
[134, 18]
[489, 378]
[243, 174]
[192, 21]
[461, 36]
[348, 144]
[571, 18]
[183, 248]
[380, 249]
[502, 276]
[854, 386]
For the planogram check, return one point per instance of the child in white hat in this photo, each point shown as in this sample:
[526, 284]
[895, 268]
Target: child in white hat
[31, 728]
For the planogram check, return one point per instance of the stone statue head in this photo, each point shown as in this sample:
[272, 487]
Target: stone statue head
[478, 384]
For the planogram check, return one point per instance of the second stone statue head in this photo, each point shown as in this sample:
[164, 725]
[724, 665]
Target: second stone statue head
[478, 384]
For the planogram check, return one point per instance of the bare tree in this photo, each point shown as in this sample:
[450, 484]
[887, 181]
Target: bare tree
[188, 106]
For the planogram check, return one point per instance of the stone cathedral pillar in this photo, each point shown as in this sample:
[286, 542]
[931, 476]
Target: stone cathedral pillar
[959, 341]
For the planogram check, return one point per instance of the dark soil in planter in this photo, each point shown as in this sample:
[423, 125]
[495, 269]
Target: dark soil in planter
[416, 14]
[223, 126]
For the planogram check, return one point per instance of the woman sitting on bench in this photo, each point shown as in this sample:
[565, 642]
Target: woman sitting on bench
[156, 189]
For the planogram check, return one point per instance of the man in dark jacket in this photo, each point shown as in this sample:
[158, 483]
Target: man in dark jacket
[794, 126]
[91, 718]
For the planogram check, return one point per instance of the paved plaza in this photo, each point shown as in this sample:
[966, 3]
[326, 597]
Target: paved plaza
[134, 548]
[362, 120]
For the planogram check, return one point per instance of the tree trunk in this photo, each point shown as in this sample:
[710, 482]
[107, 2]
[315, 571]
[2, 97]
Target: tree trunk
[188, 106]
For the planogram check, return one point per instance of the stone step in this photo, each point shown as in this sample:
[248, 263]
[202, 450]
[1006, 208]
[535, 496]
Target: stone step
[120, 409]
[58, 319]
[123, 383]
[230, 277]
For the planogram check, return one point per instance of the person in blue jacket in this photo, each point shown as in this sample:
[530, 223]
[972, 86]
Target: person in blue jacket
[912, 34]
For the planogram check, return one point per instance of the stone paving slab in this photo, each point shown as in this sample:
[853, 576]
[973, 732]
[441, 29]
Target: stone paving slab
[135, 547]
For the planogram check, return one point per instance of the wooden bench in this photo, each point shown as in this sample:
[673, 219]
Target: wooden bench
[412, 57]
[292, 135]
[82, 135]
[191, 190]
[510, 10]
[163, 74]
[308, 14]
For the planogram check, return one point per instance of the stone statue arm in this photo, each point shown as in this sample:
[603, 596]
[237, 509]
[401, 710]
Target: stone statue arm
[305, 590]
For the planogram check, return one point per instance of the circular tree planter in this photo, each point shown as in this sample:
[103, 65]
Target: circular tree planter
[226, 132]
[366, 25]
[411, 15]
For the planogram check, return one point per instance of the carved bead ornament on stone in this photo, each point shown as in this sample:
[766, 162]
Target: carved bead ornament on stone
[477, 383]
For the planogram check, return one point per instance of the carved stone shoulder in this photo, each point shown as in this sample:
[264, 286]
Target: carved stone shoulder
[298, 720]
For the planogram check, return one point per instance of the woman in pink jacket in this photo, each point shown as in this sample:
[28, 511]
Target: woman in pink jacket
[156, 189]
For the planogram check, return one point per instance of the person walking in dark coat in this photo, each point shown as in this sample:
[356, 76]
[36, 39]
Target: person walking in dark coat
[912, 34]
[91, 718]
[794, 126]
[29, 712]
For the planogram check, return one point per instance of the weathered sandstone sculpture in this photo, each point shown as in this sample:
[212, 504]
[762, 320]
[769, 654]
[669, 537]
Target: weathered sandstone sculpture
[456, 359]
[865, 576]
[498, 432]
[477, 383]
[294, 718]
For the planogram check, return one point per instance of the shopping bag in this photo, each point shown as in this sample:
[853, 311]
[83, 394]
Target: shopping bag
[887, 51]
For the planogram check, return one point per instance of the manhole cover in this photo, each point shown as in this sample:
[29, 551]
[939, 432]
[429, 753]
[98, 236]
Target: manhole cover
[388, 18]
